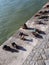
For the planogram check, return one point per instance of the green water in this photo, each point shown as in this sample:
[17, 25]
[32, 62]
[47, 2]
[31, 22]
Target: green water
[13, 13]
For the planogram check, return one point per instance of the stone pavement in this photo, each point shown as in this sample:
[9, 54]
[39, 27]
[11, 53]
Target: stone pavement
[33, 51]
[40, 53]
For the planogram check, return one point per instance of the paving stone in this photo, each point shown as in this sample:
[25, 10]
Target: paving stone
[47, 45]
[37, 56]
[44, 56]
[32, 62]
[47, 62]
[47, 53]
[41, 62]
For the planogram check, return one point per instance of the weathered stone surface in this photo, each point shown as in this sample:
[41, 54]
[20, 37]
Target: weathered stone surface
[41, 62]
[41, 55]
[47, 62]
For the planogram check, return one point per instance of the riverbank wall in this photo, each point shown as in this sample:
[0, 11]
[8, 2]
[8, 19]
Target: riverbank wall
[31, 47]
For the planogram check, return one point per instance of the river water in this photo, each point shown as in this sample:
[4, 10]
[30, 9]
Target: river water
[13, 13]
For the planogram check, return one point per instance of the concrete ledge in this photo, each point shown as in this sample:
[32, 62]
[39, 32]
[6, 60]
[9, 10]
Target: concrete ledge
[18, 58]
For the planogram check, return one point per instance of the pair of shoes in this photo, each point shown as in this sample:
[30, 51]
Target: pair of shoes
[15, 45]
[5, 47]
[47, 6]
[22, 37]
[21, 33]
[25, 26]
[8, 48]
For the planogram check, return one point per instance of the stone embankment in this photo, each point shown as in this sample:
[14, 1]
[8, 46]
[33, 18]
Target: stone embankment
[30, 45]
